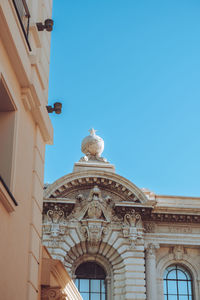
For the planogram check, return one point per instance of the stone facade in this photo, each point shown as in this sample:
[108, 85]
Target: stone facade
[96, 215]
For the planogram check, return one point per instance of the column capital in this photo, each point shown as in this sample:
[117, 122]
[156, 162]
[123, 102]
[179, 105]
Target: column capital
[151, 248]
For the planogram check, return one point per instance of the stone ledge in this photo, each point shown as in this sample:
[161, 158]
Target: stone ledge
[84, 166]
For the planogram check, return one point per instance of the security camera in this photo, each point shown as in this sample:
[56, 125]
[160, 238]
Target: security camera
[48, 25]
[57, 107]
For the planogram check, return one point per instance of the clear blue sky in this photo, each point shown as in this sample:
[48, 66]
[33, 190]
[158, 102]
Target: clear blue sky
[131, 70]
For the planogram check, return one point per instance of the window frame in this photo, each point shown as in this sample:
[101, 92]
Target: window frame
[177, 280]
[7, 181]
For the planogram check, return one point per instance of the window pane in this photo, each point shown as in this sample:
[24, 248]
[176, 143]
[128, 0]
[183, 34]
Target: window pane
[182, 287]
[165, 286]
[172, 287]
[95, 296]
[172, 297]
[183, 297]
[172, 275]
[76, 283]
[190, 287]
[95, 285]
[85, 296]
[103, 297]
[181, 275]
[84, 285]
[103, 286]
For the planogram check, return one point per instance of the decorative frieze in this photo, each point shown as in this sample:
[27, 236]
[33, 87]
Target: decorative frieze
[175, 229]
[65, 207]
[149, 227]
[147, 214]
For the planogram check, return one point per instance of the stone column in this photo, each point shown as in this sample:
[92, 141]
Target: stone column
[108, 286]
[150, 264]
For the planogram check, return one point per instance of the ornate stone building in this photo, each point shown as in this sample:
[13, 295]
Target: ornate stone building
[118, 241]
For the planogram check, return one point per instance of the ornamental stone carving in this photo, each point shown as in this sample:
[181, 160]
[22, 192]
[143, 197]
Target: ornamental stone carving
[178, 252]
[94, 222]
[53, 294]
[151, 249]
[92, 146]
[55, 215]
[149, 227]
[93, 232]
[54, 226]
[129, 228]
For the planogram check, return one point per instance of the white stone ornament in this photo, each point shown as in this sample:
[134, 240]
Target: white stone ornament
[92, 146]
[129, 228]
[94, 223]
[55, 218]
[178, 252]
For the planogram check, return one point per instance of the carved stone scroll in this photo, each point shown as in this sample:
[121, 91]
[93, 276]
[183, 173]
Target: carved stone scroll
[55, 293]
[129, 228]
[55, 217]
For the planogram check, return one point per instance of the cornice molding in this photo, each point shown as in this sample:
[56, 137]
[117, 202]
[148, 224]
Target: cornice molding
[147, 213]
[107, 180]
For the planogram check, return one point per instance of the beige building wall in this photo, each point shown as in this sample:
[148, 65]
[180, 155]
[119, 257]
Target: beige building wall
[25, 128]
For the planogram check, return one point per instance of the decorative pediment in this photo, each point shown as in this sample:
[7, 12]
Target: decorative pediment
[94, 207]
[121, 188]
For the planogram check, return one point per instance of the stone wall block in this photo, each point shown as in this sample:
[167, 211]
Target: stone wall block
[32, 293]
[37, 218]
[35, 244]
[39, 166]
[33, 271]
[37, 190]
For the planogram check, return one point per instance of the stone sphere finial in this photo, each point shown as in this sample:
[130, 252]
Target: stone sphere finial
[92, 146]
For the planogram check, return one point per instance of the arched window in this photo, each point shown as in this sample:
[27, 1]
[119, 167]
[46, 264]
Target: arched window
[90, 281]
[177, 283]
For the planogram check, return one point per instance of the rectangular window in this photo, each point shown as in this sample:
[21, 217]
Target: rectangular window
[7, 127]
[23, 14]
